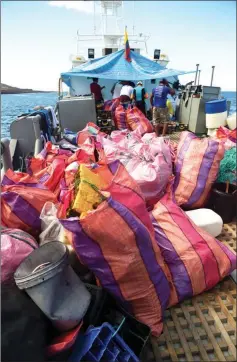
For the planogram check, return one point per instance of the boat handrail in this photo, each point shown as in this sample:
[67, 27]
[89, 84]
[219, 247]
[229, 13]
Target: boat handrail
[6, 156]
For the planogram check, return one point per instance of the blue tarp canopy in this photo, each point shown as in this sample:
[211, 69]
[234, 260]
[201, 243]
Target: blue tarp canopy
[114, 66]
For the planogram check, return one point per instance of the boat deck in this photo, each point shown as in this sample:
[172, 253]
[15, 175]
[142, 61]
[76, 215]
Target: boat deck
[202, 328]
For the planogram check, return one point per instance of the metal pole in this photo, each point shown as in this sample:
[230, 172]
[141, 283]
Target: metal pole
[197, 65]
[212, 74]
[6, 156]
[198, 76]
[94, 18]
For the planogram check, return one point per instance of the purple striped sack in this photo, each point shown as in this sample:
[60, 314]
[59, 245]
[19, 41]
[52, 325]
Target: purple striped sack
[120, 118]
[128, 264]
[196, 169]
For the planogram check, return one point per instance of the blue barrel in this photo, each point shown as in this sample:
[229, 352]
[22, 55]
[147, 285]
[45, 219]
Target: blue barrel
[216, 106]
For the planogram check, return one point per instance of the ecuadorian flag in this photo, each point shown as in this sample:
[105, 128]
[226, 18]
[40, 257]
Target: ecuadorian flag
[127, 47]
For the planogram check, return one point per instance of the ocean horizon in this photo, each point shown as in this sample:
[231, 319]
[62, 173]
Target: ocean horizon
[14, 105]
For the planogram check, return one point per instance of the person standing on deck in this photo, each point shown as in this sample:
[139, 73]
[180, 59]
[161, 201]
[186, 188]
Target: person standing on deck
[126, 94]
[159, 108]
[96, 90]
[139, 96]
[116, 89]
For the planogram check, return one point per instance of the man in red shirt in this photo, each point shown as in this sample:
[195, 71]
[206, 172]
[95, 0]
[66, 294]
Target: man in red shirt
[96, 90]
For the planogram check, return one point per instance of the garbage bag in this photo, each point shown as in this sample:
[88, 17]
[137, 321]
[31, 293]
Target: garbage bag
[24, 327]
[16, 245]
[196, 169]
[21, 206]
[125, 258]
[197, 261]
[51, 229]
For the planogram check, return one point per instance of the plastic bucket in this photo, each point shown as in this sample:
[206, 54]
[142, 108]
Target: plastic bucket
[224, 204]
[52, 284]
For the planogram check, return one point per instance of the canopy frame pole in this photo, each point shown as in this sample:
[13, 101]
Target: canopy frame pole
[195, 81]
[199, 72]
[212, 74]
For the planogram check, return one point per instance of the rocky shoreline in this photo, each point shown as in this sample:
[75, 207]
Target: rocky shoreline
[7, 89]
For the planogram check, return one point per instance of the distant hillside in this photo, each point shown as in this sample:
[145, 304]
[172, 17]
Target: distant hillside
[7, 89]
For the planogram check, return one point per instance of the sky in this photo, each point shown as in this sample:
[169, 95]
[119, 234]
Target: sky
[38, 37]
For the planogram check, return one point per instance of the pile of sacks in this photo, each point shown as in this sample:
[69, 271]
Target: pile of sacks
[118, 203]
[127, 118]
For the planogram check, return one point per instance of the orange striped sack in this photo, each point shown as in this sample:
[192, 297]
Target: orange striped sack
[120, 118]
[196, 169]
[196, 260]
[136, 118]
[124, 189]
[21, 206]
[125, 258]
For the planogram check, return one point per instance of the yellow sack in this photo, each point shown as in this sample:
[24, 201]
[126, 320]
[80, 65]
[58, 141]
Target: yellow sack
[87, 198]
[170, 107]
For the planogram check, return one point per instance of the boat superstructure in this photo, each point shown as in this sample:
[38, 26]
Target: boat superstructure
[108, 36]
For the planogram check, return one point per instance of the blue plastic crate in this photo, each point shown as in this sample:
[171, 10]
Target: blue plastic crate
[102, 344]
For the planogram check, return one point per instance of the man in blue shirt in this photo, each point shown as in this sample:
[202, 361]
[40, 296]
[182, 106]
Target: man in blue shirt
[158, 100]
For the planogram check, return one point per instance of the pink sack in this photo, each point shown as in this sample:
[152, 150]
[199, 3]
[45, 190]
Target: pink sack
[16, 245]
[152, 177]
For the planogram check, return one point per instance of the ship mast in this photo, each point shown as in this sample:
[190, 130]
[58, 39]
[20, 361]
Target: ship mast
[110, 10]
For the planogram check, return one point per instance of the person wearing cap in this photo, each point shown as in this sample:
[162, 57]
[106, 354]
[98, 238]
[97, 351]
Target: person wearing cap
[139, 96]
[160, 114]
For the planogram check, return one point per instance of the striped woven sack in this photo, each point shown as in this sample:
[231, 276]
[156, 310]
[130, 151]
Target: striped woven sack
[89, 132]
[50, 177]
[111, 104]
[124, 189]
[196, 169]
[21, 206]
[196, 260]
[125, 258]
[136, 118]
[45, 158]
[120, 118]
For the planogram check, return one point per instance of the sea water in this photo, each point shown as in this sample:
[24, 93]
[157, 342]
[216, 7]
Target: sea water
[13, 105]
